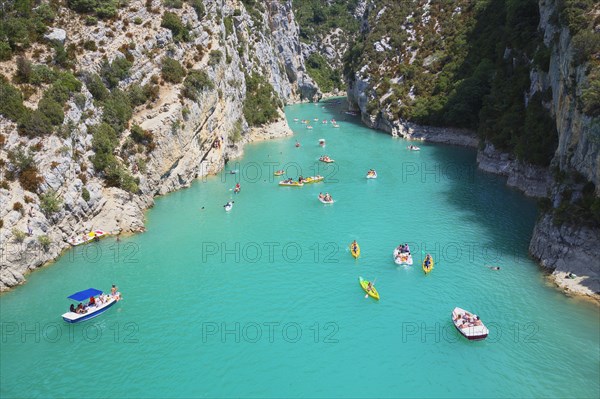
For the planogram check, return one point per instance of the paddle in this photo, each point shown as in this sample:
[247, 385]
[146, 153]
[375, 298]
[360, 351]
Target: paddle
[372, 285]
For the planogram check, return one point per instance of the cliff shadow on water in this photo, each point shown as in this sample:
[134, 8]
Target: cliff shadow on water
[505, 216]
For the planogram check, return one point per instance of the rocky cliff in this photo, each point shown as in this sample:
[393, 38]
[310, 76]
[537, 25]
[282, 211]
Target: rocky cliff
[564, 245]
[192, 135]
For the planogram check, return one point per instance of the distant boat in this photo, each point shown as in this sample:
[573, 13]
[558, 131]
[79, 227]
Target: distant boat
[323, 200]
[82, 239]
[372, 174]
[402, 258]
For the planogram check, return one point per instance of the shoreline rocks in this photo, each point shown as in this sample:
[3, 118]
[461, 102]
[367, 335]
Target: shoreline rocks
[563, 249]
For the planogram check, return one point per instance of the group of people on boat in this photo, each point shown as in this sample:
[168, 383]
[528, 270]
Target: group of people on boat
[403, 249]
[94, 302]
[327, 198]
[467, 320]
[371, 172]
[325, 158]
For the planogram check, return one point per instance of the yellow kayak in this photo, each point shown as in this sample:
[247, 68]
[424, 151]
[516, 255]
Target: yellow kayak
[356, 253]
[313, 179]
[428, 269]
[292, 184]
[365, 286]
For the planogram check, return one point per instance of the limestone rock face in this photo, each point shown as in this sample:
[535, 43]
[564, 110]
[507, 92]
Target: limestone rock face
[563, 249]
[534, 181]
[578, 144]
[185, 131]
[56, 34]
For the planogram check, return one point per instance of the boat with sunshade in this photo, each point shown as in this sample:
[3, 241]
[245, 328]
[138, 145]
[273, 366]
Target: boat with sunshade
[101, 303]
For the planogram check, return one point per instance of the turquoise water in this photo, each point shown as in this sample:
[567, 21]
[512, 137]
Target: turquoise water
[264, 301]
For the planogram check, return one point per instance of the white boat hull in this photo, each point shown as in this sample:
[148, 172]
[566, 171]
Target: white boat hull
[82, 239]
[471, 332]
[326, 202]
[403, 259]
[93, 311]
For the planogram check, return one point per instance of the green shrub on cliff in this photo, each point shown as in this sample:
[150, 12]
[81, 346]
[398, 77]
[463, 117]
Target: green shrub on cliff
[172, 22]
[50, 203]
[117, 110]
[318, 69]
[590, 96]
[115, 71]
[34, 124]
[260, 105]
[11, 105]
[96, 87]
[171, 70]
[104, 142]
[102, 8]
[195, 83]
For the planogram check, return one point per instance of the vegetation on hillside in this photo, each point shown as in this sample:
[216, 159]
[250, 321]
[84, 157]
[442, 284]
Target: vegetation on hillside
[261, 103]
[464, 64]
[582, 17]
[317, 18]
[326, 77]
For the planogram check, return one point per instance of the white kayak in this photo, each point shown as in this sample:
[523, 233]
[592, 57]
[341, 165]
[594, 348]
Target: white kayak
[228, 206]
[469, 325]
[372, 175]
[402, 258]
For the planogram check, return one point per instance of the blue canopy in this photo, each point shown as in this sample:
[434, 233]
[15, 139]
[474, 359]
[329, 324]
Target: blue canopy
[85, 294]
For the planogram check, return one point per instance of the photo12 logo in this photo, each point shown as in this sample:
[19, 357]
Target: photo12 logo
[269, 252]
[436, 172]
[53, 332]
[253, 332]
[116, 252]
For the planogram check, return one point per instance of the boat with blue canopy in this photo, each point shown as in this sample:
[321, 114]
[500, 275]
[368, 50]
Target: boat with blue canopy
[97, 303]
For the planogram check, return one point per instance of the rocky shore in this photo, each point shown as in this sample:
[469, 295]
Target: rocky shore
[564, 249]
[109, 209]
[192, 137]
